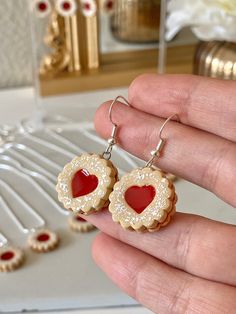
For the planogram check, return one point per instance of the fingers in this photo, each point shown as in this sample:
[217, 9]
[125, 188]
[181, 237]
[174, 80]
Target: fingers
[194, 244]
[200, 157]
[204, 103]
[158, 286]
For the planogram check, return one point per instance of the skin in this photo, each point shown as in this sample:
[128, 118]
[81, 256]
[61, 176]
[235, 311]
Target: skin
[190, 265]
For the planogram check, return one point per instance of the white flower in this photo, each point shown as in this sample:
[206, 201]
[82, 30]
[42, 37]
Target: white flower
[209, 19]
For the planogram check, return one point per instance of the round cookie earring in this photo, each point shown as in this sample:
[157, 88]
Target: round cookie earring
[86, 182]
[144, 199]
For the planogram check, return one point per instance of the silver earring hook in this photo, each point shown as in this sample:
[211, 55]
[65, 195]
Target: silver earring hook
[112, 140]
[157, 151]
[164, 124]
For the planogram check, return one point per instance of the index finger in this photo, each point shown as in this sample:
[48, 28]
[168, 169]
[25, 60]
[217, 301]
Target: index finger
[203, 103]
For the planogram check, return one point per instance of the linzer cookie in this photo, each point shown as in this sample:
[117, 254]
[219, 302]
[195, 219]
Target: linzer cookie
[143, 200]
[85, 183]
[11, 258]
[43, 240]
[78, 224]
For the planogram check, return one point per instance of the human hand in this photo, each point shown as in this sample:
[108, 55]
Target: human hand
[190, 265]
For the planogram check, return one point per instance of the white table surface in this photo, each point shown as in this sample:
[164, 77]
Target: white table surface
[17, 104]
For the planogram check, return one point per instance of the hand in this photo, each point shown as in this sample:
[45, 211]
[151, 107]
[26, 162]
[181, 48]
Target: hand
[190, 265]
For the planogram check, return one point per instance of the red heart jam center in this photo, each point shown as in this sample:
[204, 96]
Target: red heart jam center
[6, 256]
[139, 197]
[83, 183]
[43, 237]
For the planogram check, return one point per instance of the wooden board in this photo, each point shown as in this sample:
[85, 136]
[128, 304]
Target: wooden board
[118, 69]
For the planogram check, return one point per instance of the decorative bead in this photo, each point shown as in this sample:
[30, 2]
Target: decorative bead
[155, 153]
[111, 141]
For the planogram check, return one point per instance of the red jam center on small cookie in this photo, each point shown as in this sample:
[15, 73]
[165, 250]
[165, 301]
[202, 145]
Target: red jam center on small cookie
[80, 219]
[43, 237]
[139, 197]
[6, 256]
[83, 183]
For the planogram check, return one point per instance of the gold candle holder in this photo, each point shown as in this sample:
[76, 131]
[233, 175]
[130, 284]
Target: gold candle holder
[136, 20]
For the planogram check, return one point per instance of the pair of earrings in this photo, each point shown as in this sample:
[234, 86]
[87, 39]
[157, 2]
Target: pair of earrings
[142, 200]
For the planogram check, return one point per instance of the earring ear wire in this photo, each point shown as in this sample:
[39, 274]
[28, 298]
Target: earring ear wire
[157, 151]
[112, 140]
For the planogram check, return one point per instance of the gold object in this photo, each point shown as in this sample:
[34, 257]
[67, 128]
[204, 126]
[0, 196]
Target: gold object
[118, 69]
[216, 59]
[88, 41]
[75, 63]
[58, 60]
[136, 20]
[72, 43]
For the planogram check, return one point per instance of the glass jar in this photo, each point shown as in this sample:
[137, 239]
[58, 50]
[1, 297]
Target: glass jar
[136, 21]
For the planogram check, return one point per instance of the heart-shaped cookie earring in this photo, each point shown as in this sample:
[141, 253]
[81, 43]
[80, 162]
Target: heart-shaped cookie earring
[144, 199]
[86, 182]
